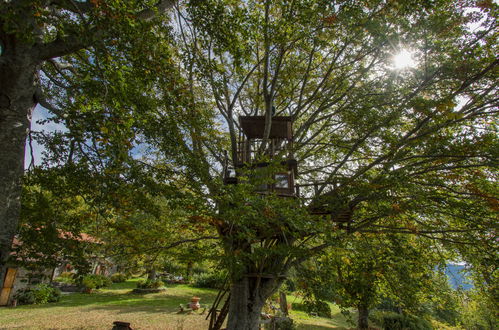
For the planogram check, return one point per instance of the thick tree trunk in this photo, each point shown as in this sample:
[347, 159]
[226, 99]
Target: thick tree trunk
[18, 70]
[246, 303]
[363, 322]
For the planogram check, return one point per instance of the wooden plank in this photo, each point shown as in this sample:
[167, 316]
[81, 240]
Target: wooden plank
[283, 303]
[223, 314]
[10, 278]
[4, 296]
[8, 283]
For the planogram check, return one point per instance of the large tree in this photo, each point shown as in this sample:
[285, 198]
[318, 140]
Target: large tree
[371, 140]
[36, 39]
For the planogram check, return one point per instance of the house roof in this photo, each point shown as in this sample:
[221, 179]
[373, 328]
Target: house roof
[82, 237]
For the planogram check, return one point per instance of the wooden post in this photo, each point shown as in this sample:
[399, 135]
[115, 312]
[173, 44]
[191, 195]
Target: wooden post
[283, 303]
[8, 283]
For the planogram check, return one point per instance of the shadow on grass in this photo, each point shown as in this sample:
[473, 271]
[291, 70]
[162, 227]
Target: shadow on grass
[154, 307]
[119, 296]
[338, 321]
[318, 327]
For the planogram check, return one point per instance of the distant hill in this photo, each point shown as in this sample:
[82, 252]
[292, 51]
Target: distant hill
[457, 276]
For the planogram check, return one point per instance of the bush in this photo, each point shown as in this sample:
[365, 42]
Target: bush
[148, 284]
[40, 294]
[209, 280]
[395, 321]
[67, 275]
[96, 281]
[320, 308]
[172, 267]
[66, 278]
[118, 278]
[283, 323]
[89, 282]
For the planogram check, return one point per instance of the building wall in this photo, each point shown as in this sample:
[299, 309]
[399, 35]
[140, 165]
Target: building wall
[25, 278]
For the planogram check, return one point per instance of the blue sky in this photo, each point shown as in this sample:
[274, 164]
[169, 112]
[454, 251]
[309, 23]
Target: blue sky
[39, 113]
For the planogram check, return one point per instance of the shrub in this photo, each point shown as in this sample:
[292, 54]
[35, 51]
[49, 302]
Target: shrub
[66, 278]
[320, 308]
[89, 282]
[96, 281]
[284, 323]
[40, 294]
[209, 280]
[395, 321]
[67, 275]
[172, 267]
[118, 278]
[25, 297]
[149, 284]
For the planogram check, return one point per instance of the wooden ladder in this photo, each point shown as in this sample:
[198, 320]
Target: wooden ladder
[217, 316]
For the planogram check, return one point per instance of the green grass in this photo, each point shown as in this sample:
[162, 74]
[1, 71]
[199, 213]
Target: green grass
[100, 309]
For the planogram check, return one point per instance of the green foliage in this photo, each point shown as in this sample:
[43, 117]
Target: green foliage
[150, 284]
[392, 148]
[66, 278]
[94, 281]
[289, 285]
[172, 267]
[52, 219]
[319, 308]
[118, 278]
[67, 275]
[40, 294]
[478, 312]
[215, 280]
[281, 323]
[395, 321]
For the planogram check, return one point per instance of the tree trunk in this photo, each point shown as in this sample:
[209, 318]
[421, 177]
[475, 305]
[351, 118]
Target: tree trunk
[188, 270]
[283, 303]
[152, 274]
[246, 303]
[363, 323]
[18, 79]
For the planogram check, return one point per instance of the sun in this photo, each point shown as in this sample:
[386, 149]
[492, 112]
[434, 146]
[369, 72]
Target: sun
[403, 60]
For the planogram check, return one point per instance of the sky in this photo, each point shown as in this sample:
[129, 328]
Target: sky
[39, 113]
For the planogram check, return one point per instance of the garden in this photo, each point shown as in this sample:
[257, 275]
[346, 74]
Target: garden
[102, 307]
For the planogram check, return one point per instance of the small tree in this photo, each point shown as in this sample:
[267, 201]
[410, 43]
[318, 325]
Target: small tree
[364, 269]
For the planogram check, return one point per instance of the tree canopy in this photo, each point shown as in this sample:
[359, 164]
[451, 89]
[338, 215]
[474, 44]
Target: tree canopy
[151, 105]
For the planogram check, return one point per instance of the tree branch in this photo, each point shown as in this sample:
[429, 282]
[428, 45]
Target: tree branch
[65, 45]
[161, 7]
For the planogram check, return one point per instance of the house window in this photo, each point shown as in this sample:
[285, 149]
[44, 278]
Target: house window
[282, 181]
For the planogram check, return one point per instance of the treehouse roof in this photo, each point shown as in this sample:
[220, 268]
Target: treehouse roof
[254, 126]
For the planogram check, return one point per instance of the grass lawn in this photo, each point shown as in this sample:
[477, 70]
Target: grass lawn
[100, 309]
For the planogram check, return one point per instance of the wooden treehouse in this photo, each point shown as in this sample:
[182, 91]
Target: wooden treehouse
[273, 160]
[256, 154]
[279, 148]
